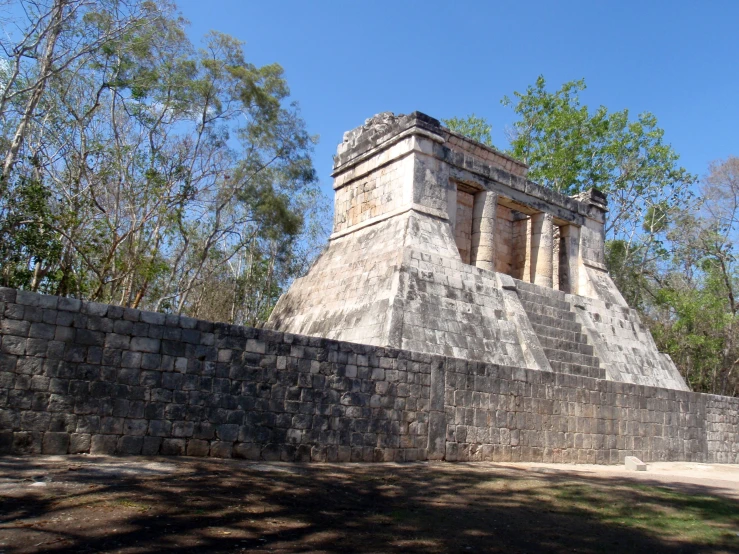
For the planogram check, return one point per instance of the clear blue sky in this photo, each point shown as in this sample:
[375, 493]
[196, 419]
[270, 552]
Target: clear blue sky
[346, 61]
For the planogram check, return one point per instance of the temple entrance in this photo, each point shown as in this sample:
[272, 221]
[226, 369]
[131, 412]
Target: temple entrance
[498, 234]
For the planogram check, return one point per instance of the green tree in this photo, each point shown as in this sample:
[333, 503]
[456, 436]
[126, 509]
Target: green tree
[159, 168]
[571, 149]
[695, 315]
[476, 128]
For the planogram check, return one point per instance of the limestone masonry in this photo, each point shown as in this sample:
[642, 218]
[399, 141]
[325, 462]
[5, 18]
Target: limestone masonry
[459, 312]
[441, 245]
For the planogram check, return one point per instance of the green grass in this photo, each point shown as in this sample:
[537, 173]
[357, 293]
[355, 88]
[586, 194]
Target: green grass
[658, 511]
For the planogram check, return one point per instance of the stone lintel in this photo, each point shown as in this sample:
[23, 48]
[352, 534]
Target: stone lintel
[569, 212]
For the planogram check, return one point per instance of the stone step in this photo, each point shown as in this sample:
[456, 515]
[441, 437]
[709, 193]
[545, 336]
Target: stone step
[543, 291]
[554, 323]
[556, 343]
[542, 309]
[544, 300]
[559, 333]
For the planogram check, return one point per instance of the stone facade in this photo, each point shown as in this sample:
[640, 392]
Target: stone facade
[426, 224]
[460, 312]
[79, 377]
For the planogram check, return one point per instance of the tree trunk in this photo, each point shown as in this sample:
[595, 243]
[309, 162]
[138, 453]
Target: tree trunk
[55, 29]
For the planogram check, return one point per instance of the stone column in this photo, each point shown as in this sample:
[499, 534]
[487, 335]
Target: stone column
[569, 254]
[542, 235]
[484, 214]
[524, 244]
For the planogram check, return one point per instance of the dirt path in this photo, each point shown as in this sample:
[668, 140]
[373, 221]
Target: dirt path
[101, 504]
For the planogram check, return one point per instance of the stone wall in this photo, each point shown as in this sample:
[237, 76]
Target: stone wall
[463, 224]
[84, 377]
[505, 414]
[376, 192]
[348, 293]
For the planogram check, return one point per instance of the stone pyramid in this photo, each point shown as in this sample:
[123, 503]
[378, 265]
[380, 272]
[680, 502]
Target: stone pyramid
[441, 245]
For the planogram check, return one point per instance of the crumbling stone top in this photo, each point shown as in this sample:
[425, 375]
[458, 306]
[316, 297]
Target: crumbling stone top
[384, 129]
[378, 129]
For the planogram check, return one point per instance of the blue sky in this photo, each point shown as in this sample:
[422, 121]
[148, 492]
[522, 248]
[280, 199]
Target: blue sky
[346, 61]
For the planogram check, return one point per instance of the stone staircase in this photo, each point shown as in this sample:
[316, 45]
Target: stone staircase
[560, 334]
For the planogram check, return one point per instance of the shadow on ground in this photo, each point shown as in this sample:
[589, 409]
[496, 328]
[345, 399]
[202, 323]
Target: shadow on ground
[188, 505]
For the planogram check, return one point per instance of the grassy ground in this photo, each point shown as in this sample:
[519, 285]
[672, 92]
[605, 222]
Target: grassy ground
[190, 505]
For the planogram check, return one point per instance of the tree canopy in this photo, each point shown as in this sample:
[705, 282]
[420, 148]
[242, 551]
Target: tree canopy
[143, 171]
[476, 128]
[671, 240]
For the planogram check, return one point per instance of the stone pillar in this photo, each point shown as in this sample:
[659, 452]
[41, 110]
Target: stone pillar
[524, 243]
[484, 214]
[569, 258]
[542, 235]
[592, 234]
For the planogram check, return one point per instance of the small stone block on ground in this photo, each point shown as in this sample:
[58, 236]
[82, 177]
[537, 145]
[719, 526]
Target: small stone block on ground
[634, 464]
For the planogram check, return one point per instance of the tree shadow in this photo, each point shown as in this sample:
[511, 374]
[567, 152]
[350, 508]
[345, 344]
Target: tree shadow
[192, 505]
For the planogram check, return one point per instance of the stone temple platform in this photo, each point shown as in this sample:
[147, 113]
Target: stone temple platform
[460, 312]
[441, 245]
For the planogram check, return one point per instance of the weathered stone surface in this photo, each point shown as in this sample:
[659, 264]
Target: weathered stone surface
[422, 219]
[103, 444]
[55, 443]
[633, 463]
[438, 359]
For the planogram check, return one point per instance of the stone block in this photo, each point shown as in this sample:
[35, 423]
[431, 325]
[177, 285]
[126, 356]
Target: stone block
[17, 327]
[633, 463]
[55, 443]
[221, 449]
[6, 437]
[183, 429]
[103, 445]
[153, 318]
[35, 421]
[13, 345]
[227, 432]
[160, 428]
[27, 442]
[69, 304]
[197, 447]
[151, 446]
[173, 447]
[247, 451]
[130, 445]
[135, 427]
[145, 344]
[90, 338]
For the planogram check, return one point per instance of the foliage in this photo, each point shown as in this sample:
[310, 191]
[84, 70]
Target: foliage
[670, 252]
[571, 149]
[696, 315]
[27, 240]
[476, 128]
[162, 172]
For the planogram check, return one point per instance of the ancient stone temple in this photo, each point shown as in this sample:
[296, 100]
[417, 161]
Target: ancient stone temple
[459, 312]
[441, 245]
